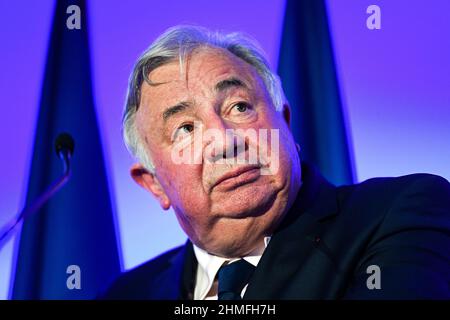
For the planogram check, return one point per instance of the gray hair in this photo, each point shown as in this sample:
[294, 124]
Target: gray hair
[175, 44]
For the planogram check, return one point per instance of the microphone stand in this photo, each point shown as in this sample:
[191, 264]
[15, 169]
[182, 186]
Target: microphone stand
[7, 230]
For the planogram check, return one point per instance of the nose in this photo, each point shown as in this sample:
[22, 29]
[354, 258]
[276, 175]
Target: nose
[221, 143]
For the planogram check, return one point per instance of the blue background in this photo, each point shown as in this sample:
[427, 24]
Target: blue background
[394, 84]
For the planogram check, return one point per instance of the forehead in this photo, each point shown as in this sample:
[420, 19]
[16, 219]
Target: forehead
[202, 69]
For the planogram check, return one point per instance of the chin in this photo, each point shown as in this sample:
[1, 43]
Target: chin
[233, 237]
[246, 201]
[232, 247]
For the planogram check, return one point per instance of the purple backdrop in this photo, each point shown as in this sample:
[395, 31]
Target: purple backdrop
[395, 85]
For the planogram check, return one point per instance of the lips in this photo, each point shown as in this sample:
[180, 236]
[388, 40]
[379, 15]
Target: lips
[238, 176]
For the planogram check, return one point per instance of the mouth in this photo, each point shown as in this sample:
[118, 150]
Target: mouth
[237, 177]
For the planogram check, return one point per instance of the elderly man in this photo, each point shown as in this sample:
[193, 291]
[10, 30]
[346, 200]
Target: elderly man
[208, 121]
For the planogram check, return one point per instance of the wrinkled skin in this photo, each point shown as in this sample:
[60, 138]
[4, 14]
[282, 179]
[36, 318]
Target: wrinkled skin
[231, 218]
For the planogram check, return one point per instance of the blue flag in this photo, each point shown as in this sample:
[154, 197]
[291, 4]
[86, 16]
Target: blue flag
[307, 70]
[68, 249]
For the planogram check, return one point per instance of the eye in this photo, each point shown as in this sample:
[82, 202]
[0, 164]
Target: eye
[183, 130]
[241, 107]
[187, 128]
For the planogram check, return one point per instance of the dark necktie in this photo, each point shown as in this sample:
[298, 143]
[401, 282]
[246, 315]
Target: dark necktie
[232, 279]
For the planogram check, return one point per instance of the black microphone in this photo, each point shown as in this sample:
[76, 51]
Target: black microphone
[64, 146]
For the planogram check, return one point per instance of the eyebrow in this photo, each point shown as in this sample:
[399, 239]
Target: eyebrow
[230, 83]
[176, 109]
[222, 85]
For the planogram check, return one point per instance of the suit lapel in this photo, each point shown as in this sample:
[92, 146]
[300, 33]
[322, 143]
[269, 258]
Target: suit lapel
[297, 238]
[177, 280]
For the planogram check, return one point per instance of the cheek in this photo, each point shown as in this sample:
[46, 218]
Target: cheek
[280, 144]
[182, 184]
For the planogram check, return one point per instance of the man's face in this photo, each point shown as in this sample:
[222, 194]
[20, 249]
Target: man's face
[225, 206]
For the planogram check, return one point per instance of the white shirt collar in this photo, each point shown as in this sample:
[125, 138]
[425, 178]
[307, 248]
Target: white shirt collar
[209, 265]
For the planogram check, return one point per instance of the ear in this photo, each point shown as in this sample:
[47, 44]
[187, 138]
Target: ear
[150, 182]
[287, 114]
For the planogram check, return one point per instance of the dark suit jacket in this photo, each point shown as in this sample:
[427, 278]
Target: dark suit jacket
[326, 242]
